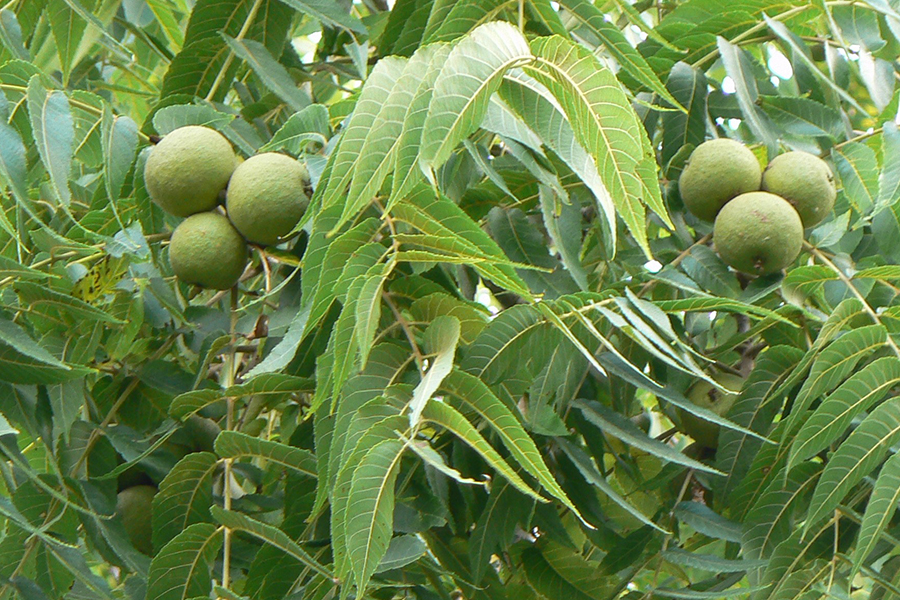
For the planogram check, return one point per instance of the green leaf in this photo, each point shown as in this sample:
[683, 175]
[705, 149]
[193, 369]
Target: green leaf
[879, 511]
[441, 340]
[709, 562]
[796, 44]
[471, 73]
[369, 104]
[54, 134]
[523, 242]
[496, 526]
[889, 181]
[583, 463]
[405, 27]
[273, 75]
[328, 13]
[547, 581]
[182, 569]
[170, 118]
[168, 20]
[443, 221]
[448, 417]
[736, 450]
[68, 30]
[377, 155]
[857, 168]
[862, 451]
[605, 125]
[831, 418]
[688, 85]
[739, 68]
[11, 34]
[621, 428]
[802, 116]
[540, 111]
[201, 63]
[22, 360]
[563, 223]
[13, 168]
[806, 281]
[370, 509]
[611, 36]
[402, 551]
[460, 17]
[373, 424]
[368, 305]
[859, 25]
[343, 345]
[407, 173]
[184, 497]
[770, 520]
[705, 267]
[120, 142]
[310, 125]
[703, 519]
[478, 396]
[472, 316]
[386, 363]
[719, 304]
[233, 444]
[324, 263]
[269, 534]
[833, 365]
[45, 301]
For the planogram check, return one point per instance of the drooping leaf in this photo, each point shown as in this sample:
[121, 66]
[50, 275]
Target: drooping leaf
[442, 338]
[472, 72]
[233, 444]
[449, 418]
[605, 125]
[617, 45]
[54, 134]
[182, 568]
[269, 534]
[860, 453]
[184, 497]
[831, 418]
[370, 509]
[879, 511]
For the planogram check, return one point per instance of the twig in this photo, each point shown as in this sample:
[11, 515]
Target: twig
[228, 381]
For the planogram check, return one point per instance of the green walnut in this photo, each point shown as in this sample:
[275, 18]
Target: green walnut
[717, 171]
[188, 169]
[208, 251]
[706, 395]
[266, 197]
[804, 180]
[134, 506]
[758, 233]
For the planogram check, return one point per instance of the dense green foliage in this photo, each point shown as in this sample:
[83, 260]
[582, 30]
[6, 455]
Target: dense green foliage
[461, 374]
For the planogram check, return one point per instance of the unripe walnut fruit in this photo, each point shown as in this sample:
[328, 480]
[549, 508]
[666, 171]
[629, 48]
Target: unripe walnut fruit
[717, 171]
[266, 197]
[805, 181]
[208, 251]
[188, 169]
[758, 233]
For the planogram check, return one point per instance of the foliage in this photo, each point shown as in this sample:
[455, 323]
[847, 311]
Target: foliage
[462, 376]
